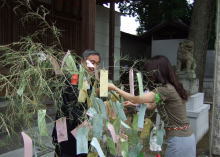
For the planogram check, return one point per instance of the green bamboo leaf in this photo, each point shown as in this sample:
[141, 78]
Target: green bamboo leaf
[42, 123]
[135, 122]
[111, 146]
[117, 125]
[124, 148]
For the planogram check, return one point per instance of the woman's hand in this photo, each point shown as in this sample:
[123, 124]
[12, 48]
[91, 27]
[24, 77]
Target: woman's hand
[111, 86]
[128, 103]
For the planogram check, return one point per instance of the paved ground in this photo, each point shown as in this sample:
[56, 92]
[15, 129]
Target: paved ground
[202, 150]
[20, 153]
[44, 148]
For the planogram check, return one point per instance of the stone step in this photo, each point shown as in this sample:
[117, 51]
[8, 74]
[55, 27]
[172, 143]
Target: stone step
[195, 101]
[199, 120]
[20, 153]
[43, 145]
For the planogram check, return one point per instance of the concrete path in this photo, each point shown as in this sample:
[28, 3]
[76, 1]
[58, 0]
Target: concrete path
[44, 148]
[20, 153]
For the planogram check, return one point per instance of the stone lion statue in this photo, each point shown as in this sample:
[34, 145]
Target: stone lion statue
[185, 60]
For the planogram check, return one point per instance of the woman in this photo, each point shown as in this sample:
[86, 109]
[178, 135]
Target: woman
[171, 106]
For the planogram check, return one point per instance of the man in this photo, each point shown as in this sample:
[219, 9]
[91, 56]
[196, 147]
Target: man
[72, 109]
[93, 57]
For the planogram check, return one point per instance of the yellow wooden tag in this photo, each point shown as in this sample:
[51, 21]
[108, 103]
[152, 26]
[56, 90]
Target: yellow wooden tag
[146, 130]
[85, 85]
[92, 154]
[103, 83]
[82, 95]
[89, 102]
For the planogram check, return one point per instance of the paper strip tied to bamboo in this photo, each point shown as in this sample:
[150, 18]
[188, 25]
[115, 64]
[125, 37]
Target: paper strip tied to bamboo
[131, 81]
[28, 145]
[143, 107]
[103, 83]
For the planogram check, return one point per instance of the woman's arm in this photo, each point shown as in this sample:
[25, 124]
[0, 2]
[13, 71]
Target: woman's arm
[150, 106]
[141, 99]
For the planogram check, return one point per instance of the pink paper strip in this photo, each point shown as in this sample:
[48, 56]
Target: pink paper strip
[61, 130]
[131, 81]
[28, 150]
[83, 124]
[112, 131]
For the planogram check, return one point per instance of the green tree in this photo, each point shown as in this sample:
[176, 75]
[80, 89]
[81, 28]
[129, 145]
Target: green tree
[202, 33]
[199, 15]
[152, 12]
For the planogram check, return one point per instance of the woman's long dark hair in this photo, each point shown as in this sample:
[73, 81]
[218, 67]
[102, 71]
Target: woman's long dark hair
[161, 72]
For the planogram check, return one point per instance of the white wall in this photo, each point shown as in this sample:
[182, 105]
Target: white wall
[102, 38]
[167, 48]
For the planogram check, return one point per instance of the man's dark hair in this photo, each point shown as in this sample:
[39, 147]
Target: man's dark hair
[89, 52]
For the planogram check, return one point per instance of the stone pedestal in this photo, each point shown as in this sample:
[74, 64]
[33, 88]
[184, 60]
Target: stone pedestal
[199, 121]
[195, 101]
[189, 81]
[198, 115]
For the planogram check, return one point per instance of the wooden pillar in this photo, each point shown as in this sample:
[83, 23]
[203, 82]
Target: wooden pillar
[215, 125]
[111, 39]
[88, 19]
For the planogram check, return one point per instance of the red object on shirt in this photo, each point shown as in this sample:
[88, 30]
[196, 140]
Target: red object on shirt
[74, 79]
[158, 155]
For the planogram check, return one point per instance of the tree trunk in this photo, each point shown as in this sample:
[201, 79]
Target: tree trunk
[199, 33]
[215, 127]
